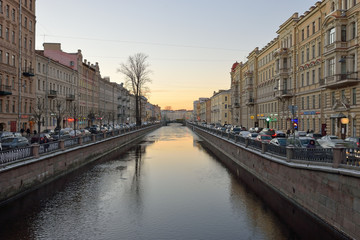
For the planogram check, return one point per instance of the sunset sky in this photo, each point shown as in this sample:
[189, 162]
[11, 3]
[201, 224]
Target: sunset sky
[191, 44]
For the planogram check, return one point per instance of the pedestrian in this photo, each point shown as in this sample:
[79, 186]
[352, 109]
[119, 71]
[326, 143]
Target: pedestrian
[22, 132]
[311, 144]
[46, 143]
[288, 132]
[35, 132]
[28, 132]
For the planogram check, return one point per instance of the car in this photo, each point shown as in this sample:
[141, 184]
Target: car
[280, 134]
[302, 142]
[314, 135]
[279, 141]
[235, 130]
[330, 141]
[356, 140]
[75, 133]
[244, 134]
[38, 137]
[268, 131]
[252, 135]
[85, 132]
[264, 138]
[14, 142]
[62, 135]
[5, 134]
[300, 134]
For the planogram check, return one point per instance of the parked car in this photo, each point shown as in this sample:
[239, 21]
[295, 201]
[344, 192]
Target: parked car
[5, 134]
[300, 134]
[264, 138]
[267, 131]
[94, 129]
[314, 135]
[301, 142]
[14, 142]
[74, 133]
[280, 134]
[279, 141]
[252, 135]
[38, 137]
[355, 140]
[244, 133]
[62, 135]
[235, 130]
[85, 132]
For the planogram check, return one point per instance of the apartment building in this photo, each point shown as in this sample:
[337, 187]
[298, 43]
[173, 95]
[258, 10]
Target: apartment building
[310, 67]
[17, 58]
[220, 111]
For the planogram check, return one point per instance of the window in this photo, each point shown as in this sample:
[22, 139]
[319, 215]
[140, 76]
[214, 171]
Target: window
[354, 127]
[353, 93]
[313, 76]
[7, 11]
[302, 57]
[7, 34]
[1, 56]
[13, 37]
[319, 74]
[325, 99]
[313, 51]
[307, 31]
[7, 60]
[1, 35]
[1, 6]
[313, 27]
[331, 67]
[333, 99]
[343, 33]
[319, 49]
[331, 35]
[307, 78]
[30, 25]
[313, 101]
[13, 60]
[302, 35]
[13, 15]
[307, 54]
[353, 30]
[302, 103]
[308, 102]
[25, 22]
[319, 99]
[31, 5]
[302, 79]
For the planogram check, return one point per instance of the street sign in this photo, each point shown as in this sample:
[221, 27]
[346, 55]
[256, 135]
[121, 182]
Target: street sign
[293, 109]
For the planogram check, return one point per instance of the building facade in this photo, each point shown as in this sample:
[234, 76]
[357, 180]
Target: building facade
[308, 74]
[17, 58]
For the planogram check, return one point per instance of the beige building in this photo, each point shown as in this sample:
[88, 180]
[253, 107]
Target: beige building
[311, 66]
[220, 111]
[17, 58]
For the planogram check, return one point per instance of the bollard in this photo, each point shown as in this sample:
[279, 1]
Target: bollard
[263, 147]
[289, 153]
[246, 142]
[80, 140]
[35, 150]
[93, 137]
[62, 144]
[339, 155]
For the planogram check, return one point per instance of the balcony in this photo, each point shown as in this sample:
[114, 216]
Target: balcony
[281, 51]
[236, 105]
[338, 45]
[52, 94]
[284, 93]
[5, 90]
[249, 101]
[70, 97]
[340, 80]
[28, 72]
[248, 85]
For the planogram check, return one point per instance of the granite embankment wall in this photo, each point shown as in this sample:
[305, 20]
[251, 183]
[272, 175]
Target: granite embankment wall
[329, 195]
[23, 176]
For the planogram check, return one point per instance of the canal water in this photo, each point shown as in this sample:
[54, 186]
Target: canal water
[165, 187]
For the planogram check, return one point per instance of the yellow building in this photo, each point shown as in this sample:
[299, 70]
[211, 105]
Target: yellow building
[220, 110]
[311, 66]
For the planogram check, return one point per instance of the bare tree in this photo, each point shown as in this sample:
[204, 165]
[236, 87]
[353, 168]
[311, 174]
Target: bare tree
[38, 114]
[136, 72]
[59, 112]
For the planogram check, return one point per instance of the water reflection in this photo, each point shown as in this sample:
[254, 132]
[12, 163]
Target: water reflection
[166, 187]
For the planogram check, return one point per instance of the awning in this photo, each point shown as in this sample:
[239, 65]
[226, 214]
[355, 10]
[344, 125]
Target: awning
[338, 115]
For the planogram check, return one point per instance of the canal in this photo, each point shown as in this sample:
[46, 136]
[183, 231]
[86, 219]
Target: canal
[165, 187]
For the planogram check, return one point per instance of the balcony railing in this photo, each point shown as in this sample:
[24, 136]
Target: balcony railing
[52, 94]
[340, 80]
[284, 93]
[250, 101]
[28, 72]
[5, 90]
[70, 97]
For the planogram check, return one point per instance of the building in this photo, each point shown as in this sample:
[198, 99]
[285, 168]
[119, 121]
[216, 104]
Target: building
[220, 111]
[17, 58]
[307, 74]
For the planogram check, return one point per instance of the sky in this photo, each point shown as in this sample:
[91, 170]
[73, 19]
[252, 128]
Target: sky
[191, 44]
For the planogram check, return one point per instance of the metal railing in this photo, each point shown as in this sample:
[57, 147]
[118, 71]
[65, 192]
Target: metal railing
[12, 155]
[15, 154]
[347, 157]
